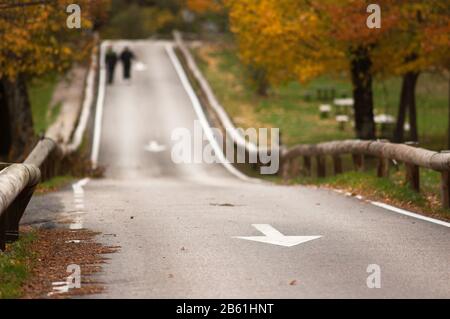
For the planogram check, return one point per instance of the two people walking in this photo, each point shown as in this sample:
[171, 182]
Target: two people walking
[111, 60]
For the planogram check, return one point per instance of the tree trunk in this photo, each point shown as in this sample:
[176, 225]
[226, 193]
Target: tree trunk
[362, 94]
[411, 93]
[19, 129]
[263, 88]
[399, 133]
[407, 103]
[5, 130]
[448, 113]
[260, 79]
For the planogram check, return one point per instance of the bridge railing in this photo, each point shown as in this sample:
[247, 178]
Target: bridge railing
[18, 181]
[413, 157]
[232, 132]
[17, 184]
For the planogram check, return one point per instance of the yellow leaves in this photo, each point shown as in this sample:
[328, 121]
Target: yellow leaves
[279, 36]
[156, 19]
[301, 39]
[35, 39]
[66, 51]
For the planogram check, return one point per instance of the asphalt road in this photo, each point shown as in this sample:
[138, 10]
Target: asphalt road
[176, 223]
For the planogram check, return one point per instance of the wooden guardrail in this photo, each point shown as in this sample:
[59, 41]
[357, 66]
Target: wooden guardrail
[17, 185]
[46, 156]
[414, 158]
[18, 181]
[229, 128]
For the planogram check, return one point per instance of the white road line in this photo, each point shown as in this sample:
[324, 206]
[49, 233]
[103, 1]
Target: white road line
[202, 118]
[198, 109]
[99, 108]
[410, 214]
[87, 104]
[78, 194]
[395, 209]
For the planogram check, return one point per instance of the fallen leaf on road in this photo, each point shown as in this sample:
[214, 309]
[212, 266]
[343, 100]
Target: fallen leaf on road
[222, 205]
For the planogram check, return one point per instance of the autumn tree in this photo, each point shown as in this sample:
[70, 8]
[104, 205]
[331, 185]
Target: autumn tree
[418, 42]
[303, 39]
[436, 44]
[347, 29]
[35, 40]
[268, 33]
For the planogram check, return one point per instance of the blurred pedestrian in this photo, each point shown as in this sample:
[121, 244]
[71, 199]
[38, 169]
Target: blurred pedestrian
[126, 57]
[111, 61]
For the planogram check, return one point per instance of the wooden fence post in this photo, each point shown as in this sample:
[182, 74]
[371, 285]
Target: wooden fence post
[358, 161]
[412, 172]
[445, 189]
[321, 169]
[307, 165]
[413, 176]
[295, 167]
[383, 167]
[337, 164]
[285, 169]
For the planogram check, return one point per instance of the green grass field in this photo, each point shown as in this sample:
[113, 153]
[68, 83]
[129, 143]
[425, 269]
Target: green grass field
[40, 93]
[54, 184]
[15, 266]
[294, 109]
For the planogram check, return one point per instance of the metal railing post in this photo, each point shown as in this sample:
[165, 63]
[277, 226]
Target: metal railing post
[15, 213]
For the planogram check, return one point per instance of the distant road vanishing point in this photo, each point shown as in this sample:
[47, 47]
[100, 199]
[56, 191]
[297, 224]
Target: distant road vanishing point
[176, 223]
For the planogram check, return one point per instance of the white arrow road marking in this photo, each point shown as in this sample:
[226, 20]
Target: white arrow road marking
[78, 187]
[154, 147]
[78, 193]
[139, 66]
[274, 237]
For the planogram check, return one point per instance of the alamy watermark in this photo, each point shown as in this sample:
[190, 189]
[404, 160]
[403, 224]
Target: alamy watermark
[374, 279]
[73, 281]
[197, 147]
[74, 19]
[374, 19]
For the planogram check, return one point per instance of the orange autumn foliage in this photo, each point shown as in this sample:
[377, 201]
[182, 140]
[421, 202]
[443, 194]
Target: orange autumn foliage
[35, 39]
[204, 6]
[301, 39]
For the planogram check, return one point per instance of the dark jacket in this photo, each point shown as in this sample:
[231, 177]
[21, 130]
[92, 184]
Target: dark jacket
[126, 56]
[111, 59]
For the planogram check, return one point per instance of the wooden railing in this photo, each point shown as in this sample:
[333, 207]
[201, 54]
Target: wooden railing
[17, 185]
[18, 181]
[413, 157]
